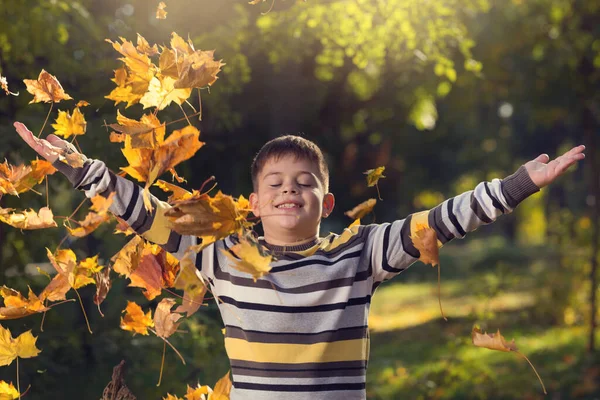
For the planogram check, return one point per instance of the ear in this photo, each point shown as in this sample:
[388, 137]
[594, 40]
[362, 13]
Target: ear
[254, 204]
[328, 204]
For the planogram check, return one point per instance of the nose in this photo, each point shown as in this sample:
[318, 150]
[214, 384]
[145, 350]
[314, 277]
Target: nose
[289, 189]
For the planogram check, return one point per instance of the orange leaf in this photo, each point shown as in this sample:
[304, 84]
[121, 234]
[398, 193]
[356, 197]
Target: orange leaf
[179, 193]
[67, 124]
[77, 274]
[146, 133]
[160, 11]
[17, 306]
[46, 89]
[144, 47]
[23, 346]
[373, 176]
[211, 218]
[94, 219]
[249, 258]
[28, 219]
[19, 179]
[197, 393]
[222, 389]
[362, 209]
[164, 320]
[425, 240]
[57, 288]
[135, 320]
[129, 257]
[192, 285]
[494, 341]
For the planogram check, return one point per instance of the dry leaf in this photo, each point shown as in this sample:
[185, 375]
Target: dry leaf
[129, 257]
[57, 288]
[21, 178]
[179, 193]
[194, 288]
[373, 176]
[197, 393]
[249, 258]
[135, 320]
[46, 89]
[165, 321]
[362, 209]
[82, 103]
[67, 124]
[28, 219]
[198, 70]
[8, 391]
[17, 306]
[77, 274]
[23, 346]
[94, 218]
[162, 92]
[222, 389]
[144, 47]
[160, 11]
[103, 285]
[211, 218]
[425, 240]
[146, 133]
[4, 86]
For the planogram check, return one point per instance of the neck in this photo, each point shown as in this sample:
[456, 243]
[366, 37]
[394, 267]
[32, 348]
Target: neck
[282, 240]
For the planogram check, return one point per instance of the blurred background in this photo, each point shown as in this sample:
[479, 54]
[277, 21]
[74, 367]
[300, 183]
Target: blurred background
[444, 93]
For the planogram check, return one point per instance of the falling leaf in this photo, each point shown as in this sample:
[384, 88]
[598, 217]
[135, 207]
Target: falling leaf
[94, 218]
[8, 391]
[146, 133]
[82, 103]
[78, 274]
[197, 393]
[57, 289]
[160, 11]
[28, 219]
[198, 70]
[17, 306]
[123, 228]
[222, 389]
[171, 397]
[179, 193]
[373, 176]
[46, 89]
[21, 178]
[248, 258]
[4, 86]
[496, 341]
[117, 137]
[254, 2]
[144, 47]
[362, 209]
[135, 320]
[67, 124]
[128, 258]
[194, 288]
[23, 346]
[211, 218]
[103, 285]
[165, 321]
[162, 92]
[425, 240]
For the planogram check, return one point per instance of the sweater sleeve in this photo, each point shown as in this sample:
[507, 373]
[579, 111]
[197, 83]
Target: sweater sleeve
[94, 178]
[391, 247]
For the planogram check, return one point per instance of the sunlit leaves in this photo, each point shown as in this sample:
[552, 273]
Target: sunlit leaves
[46, 89]
[145, 133]
[160, 10]
[94, 218]
[70, 124]
[374, 175]
[17, 306]
[10, 348]
[71, 273]
[135, 320]
[8, 391]
[21, 178]
[246, 256]
[211, 218]
[221, 391]
[362, 209]
[28, 219]
[189, 280]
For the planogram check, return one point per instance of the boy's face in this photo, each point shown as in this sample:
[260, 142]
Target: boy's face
[290, 199]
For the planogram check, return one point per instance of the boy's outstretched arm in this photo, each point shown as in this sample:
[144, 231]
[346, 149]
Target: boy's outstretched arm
[391, 245]
[94, 178]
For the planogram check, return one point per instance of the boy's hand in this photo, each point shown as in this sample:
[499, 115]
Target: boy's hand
[49, 148]
[543, 172]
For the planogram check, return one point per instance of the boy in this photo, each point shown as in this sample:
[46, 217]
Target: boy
[301, 331]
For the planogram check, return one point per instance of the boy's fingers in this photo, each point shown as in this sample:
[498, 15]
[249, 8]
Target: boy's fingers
[543, 158]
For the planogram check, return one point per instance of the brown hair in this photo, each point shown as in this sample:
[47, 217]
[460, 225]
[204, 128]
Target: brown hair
[290, 145]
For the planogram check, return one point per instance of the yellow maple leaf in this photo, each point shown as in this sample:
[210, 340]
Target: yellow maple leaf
[23, 346]
[162, 92]
[77, 274]
[21, 178]
[362, 209]
[249, 259]
[425, 240]
[193, 286]
[197, 393]
[171, 397]
[17, 306]
[67, 124]
[144, 47]
[146, 133]
[28, 219]
[8, 391]
[198, 70]
[94, 218]
[222, 389]
[135, 320]
[374, 175]
[160, 11]
[46, 89]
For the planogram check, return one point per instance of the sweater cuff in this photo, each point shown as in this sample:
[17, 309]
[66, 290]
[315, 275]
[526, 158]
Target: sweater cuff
[518, 186]
[74, 175]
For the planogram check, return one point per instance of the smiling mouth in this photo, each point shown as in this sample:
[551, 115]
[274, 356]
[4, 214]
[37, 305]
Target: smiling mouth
[288, 206]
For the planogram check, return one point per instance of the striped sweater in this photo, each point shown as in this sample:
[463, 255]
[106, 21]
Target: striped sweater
[301, 332]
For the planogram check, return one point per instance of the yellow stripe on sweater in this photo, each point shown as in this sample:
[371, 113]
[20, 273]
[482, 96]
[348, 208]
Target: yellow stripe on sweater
[159, 231]
[344, 350]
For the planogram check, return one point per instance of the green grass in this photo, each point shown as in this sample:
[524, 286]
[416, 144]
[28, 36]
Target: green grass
[415, 354]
